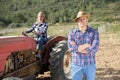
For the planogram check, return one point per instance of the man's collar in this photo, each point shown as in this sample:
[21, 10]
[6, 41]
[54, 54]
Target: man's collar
[87, 29]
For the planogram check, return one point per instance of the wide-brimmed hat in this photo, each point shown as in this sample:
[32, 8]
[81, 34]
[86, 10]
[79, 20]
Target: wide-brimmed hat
[81, 14]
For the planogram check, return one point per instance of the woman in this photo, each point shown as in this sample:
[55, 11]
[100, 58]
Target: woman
[40, 30]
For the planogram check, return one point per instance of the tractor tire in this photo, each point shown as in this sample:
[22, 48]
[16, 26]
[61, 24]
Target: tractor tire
[60, 69]
[12, 78]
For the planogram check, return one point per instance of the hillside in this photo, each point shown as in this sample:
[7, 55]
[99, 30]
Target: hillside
[17, 13]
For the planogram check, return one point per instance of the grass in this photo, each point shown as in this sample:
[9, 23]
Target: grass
[11, 31]
[56, 30]
[63, 29]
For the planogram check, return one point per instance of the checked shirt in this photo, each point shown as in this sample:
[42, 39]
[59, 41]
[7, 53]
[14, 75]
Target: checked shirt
[90, 36]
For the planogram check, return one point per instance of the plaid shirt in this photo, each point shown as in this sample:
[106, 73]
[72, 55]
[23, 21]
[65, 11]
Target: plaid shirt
[91, 36]
[40, 28]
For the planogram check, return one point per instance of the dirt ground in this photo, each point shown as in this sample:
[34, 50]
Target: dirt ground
[45, 76]
[108, 59]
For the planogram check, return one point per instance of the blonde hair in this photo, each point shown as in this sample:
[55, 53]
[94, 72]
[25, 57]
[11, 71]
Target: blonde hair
[38, 20]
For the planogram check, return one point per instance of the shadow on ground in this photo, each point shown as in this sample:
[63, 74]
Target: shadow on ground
[46, 78]
[102, 74]
[107, 74]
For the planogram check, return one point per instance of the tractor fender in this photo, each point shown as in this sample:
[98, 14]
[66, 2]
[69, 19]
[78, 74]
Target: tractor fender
[49, 45]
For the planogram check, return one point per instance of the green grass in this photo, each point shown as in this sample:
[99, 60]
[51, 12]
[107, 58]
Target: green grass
[12, 31]
[53, 30]
[62, 29]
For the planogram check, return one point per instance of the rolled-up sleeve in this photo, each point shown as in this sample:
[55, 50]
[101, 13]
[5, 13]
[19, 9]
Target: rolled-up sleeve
[71, 38]
[30, 29]
[95, 43]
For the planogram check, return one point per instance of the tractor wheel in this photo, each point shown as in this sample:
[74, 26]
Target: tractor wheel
[60, 62]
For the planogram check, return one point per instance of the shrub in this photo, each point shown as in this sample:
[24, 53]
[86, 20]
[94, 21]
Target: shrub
[15, 25]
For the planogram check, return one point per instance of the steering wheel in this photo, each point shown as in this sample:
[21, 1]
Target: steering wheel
[32, 34]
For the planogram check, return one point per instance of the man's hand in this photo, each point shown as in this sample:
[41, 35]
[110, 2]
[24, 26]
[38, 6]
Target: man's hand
[82, 48]
[73, 43]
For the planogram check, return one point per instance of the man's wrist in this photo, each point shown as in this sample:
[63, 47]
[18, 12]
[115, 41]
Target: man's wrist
[88, 50]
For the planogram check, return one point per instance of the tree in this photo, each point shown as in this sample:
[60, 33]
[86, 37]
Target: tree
[19, 18]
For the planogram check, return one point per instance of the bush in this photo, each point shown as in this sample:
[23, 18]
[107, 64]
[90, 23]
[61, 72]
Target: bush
[19, 18]
[2, 23]
[15, 25]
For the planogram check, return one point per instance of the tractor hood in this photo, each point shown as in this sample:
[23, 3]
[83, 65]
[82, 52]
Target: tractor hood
[13, 43]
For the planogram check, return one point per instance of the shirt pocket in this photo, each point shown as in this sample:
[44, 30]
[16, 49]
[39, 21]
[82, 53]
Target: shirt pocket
[88, 40]
[76, 40]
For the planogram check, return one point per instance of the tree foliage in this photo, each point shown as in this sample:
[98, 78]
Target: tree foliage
[56, 11]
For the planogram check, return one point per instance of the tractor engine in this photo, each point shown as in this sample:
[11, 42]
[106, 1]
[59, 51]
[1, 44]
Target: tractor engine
[21, 58]
[18, 56]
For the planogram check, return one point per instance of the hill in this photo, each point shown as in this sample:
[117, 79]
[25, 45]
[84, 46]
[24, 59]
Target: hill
[17, 13]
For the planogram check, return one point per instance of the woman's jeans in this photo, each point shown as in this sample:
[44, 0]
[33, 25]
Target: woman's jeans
[88, 71]
[41, 41]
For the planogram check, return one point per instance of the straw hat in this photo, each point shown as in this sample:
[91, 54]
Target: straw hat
[81, 14]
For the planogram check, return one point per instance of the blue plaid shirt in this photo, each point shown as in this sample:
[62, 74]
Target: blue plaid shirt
[91, 36]
[40, 28]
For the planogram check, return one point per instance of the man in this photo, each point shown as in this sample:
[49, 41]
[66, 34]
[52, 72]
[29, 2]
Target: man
[83, 42]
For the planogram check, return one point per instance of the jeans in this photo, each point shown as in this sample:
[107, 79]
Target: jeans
[89, 72]
[41, 41]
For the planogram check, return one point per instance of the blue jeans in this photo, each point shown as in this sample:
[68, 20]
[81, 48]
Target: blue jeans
[89, 72]
[41, 41]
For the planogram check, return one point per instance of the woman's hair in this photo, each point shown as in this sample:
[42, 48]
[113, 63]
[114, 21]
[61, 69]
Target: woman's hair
[38, 20]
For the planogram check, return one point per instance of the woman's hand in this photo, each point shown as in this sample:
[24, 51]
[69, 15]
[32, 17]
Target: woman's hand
[23, 33]
[37, 33]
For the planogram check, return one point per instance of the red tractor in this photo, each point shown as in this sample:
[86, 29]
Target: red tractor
[18, 58]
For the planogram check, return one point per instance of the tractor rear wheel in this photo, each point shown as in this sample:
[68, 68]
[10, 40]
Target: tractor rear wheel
[60, 62]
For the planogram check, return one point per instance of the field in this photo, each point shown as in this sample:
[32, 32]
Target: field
[108, 56]
[108, 59]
